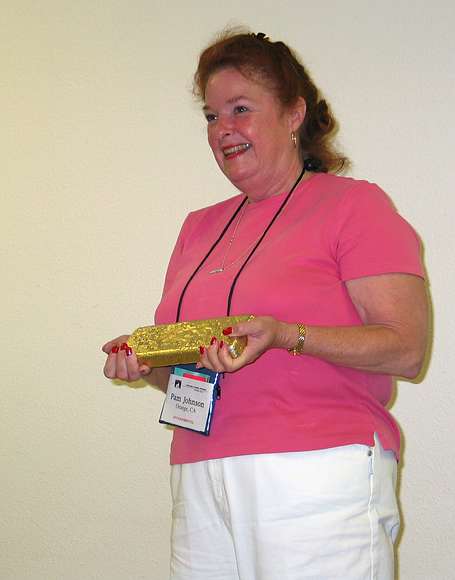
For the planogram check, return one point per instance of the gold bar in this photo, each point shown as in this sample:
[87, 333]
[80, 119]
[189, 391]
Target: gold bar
[171, 344]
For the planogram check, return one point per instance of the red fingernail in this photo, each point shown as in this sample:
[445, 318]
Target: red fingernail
[221, 344]
[213, 340]
[201, 349]
[129, 351]
[114, 349]
[124, 346]
[227, 331]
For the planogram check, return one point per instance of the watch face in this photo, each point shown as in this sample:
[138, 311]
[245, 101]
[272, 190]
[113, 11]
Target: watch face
[301, 340]
[298, 348]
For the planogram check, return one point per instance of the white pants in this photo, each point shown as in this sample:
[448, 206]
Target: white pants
[286, 516]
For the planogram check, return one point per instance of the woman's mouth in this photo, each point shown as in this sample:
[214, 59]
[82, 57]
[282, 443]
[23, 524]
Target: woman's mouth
[235, 150]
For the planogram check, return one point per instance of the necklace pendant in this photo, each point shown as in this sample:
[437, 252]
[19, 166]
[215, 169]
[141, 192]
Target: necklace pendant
[216, 271]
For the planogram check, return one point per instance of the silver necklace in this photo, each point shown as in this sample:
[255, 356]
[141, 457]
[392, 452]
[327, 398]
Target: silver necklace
[254, 245]
[223, 266]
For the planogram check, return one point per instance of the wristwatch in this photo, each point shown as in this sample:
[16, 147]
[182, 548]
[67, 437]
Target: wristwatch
[298, 348]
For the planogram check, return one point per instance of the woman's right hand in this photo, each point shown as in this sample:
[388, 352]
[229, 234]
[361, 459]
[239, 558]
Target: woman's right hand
[122, 361]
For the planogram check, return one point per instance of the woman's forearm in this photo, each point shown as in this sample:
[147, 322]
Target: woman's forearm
[374, 348]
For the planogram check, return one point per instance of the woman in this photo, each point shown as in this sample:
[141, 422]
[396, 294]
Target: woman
[297, 477]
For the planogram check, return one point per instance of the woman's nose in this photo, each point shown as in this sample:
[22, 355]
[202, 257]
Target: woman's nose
[225, 125]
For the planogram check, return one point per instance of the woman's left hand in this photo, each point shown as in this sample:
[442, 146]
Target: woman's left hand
[263, 333]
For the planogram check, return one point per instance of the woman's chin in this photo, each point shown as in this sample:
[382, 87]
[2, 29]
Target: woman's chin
[240, 178]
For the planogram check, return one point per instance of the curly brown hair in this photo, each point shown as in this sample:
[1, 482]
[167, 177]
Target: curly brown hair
[277, 66]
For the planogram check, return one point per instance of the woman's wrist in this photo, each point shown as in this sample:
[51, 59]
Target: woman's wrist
[158, 378]
[288, 335]
[299, 345]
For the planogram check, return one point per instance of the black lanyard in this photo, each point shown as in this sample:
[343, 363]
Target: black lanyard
[214, 245]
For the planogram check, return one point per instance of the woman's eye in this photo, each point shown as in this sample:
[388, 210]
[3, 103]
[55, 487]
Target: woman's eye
[210, 117]
[240, 109]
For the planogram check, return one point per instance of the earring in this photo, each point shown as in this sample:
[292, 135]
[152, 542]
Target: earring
[294, 138]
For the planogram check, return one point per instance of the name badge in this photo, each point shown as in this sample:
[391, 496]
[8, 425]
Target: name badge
[190, 398]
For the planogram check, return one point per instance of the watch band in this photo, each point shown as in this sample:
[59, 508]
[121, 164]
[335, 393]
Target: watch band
[298, 348]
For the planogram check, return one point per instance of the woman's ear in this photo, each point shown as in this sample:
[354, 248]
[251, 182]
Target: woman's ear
[297, 114]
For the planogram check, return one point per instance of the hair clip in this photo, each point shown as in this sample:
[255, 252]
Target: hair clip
[260, 36]
[312, 164]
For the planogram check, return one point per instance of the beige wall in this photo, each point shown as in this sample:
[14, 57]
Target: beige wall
[102, 155]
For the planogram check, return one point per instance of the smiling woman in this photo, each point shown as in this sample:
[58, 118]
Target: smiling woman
[248, 132]
[276, 67]
[297, 478]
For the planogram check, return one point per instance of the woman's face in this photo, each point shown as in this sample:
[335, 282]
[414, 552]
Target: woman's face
[250, 134]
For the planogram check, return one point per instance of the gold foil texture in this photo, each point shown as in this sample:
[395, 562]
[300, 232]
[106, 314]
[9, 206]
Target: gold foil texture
[171, 344]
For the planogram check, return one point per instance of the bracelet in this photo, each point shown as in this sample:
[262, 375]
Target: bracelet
[298, 348]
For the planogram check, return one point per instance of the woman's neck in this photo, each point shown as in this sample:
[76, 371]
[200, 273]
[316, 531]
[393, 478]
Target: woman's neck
[275, 185]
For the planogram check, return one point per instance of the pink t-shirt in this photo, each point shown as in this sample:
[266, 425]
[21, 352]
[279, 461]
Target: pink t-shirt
[333, 229]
